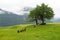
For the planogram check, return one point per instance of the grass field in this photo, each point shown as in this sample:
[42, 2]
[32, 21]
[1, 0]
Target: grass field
[40, 32]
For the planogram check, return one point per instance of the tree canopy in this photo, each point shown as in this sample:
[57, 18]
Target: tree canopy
[41, 12]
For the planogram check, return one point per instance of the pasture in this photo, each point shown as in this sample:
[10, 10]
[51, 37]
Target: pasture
[40, 32]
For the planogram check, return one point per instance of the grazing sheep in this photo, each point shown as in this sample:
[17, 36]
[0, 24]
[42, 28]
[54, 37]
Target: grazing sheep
[24, 29]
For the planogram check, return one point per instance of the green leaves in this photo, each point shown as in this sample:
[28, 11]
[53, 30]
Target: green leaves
[42, 12]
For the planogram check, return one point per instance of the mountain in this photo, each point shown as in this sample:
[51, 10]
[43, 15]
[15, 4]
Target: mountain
[9, 18]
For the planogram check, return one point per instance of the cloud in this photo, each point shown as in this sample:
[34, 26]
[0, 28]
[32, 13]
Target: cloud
[16, 5]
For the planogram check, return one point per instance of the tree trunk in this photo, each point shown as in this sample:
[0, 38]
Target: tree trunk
[42, 19]
[36, 21]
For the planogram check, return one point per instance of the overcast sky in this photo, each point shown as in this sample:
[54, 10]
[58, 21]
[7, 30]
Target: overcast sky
[16, 5]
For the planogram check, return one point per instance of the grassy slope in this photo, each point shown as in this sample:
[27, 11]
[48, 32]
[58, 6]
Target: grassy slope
[47, 32]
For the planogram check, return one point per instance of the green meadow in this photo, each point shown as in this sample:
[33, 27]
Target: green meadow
[40, 32]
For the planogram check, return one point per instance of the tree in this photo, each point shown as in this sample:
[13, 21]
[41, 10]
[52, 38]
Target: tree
[45, 12]
[33, 16]
[42, 12]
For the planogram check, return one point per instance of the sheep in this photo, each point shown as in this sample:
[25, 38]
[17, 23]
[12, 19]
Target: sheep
[24, 29]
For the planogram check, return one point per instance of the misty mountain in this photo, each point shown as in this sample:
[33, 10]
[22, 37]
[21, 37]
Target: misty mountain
[9, 18]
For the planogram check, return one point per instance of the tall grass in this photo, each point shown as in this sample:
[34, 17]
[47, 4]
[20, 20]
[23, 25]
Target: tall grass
[40, 32]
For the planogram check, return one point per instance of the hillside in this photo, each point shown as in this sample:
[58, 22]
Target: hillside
[9, 18]
[40, 32]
